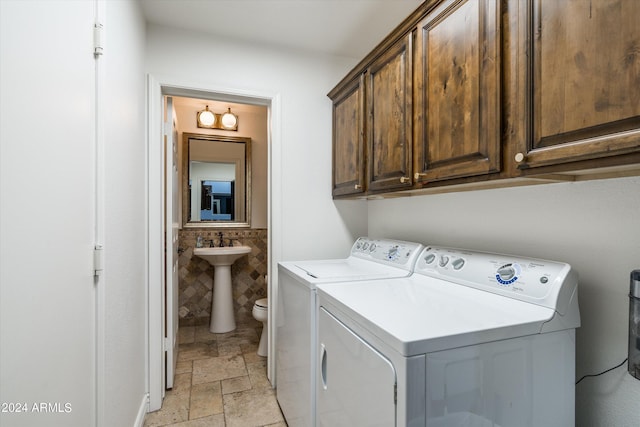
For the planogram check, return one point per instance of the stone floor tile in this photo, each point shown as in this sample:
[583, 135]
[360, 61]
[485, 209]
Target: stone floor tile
[220, 381]
[206, 399]
[175, 409]
[240, 336]
[258, 374]
[186, 334]
[251, 354]
[218, 368]
[251, 408]
[202, 334]
[181, 384]
[184, 367]
[211, 421]
[197, 350]
[234, 385]
[229, 349]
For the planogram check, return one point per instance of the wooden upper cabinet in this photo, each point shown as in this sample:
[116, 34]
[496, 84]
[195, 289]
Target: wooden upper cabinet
[389, 124]
[348, 139]
[585, 74]
[457, 91]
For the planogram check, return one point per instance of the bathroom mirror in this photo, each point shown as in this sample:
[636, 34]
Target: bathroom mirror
[216, 177]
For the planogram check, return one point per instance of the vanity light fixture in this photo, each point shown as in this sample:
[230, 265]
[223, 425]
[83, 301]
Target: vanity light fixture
[208, 119]
[229, 120]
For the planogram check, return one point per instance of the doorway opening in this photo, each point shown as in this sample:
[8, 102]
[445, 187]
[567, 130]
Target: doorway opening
[256, 118]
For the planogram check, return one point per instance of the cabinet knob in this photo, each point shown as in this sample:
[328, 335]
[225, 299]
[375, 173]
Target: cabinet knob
[520, 157]
[404, 179]
[357, 187]
[417, 176]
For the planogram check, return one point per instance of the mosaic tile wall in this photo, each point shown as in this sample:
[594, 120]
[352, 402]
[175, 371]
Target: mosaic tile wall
[196, 275]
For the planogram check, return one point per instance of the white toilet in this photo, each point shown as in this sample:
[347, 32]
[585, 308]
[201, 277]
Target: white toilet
[260, 313]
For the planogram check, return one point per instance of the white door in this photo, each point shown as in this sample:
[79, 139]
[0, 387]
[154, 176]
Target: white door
[48, 293]
[356, 384]
[171, 242]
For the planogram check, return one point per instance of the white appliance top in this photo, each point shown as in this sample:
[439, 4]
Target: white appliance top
[458, 298]
[369, 259]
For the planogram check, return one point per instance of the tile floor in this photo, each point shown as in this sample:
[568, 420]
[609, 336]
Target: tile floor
[220, 382]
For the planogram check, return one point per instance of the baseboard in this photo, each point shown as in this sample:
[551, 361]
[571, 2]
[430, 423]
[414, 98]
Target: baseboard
[142, 411]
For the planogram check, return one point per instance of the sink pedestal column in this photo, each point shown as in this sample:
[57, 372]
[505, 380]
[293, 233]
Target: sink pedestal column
[222, 319]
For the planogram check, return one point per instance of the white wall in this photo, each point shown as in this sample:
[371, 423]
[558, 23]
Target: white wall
[594, 226]
[303, 211]
[53, 314]
[125, 153]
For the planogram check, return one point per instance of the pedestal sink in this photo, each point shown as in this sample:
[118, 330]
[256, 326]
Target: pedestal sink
[222, 319]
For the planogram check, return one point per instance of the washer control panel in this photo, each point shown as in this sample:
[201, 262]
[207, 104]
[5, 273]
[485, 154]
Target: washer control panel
[532, 280]
[395, 252]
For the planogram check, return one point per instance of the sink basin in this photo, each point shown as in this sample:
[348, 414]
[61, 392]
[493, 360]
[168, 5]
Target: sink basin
[222, 256]
[222, 318]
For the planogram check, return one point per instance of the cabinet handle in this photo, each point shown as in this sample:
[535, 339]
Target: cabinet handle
[357, 187]
[520, 157]
[404, 179]
[419, 175]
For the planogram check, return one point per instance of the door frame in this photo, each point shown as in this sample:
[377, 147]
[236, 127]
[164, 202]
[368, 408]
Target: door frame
[157, 87]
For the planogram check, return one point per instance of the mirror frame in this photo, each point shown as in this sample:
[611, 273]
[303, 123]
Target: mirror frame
[186, 161]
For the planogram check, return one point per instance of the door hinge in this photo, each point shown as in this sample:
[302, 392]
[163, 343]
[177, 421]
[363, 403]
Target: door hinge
[166, 344]
[98, 260]
[98, 47]
[395, 394]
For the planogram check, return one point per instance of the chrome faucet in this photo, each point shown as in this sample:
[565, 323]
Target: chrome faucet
[221, 239]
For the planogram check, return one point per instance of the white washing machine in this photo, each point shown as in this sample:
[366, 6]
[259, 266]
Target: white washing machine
[296, 316]
[470, 339]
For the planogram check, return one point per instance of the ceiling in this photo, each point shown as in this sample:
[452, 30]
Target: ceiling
[350, 28]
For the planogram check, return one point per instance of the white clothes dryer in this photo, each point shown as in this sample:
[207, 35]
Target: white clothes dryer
[469, 339]
[296, 315]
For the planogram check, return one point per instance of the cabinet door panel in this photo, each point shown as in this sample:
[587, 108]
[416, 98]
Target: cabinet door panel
[389, 83]
[458, 91]
[586, 80]
[348, 140]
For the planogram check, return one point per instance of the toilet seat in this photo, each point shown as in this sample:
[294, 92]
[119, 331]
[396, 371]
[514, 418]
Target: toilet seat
[262, 303]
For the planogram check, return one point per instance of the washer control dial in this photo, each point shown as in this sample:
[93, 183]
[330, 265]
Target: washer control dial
[508, 274]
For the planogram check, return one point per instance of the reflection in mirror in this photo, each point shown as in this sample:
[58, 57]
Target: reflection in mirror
[217, 181]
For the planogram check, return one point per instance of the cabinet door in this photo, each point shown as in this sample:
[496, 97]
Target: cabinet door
[348, 139]
[458, 91]
[585, 73]
[389, 100]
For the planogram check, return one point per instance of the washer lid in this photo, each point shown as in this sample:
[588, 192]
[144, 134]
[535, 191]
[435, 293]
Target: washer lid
[343, 270]
[418, 314]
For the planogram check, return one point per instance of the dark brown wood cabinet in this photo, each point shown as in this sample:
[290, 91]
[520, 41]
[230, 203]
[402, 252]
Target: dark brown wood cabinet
[389, 81]
[581, 96]
[485, 93]
[457, 91]
[348, 139]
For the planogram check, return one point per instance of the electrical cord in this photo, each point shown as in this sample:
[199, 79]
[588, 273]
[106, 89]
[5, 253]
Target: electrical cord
[603, 372]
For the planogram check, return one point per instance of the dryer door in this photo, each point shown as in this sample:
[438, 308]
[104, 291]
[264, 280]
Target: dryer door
[356, 384]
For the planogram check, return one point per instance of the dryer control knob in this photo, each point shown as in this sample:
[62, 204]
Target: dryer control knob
[444, 260]
[457, 263]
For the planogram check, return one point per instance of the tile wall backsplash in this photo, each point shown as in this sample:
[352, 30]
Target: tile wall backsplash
[196, 274]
